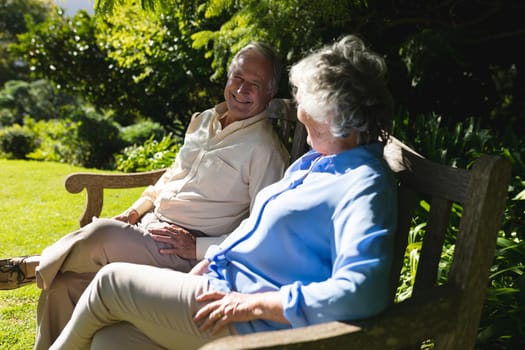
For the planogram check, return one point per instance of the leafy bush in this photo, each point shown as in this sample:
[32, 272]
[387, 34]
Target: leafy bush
[57, 141]
[85, 138]
[6, 117]
[17, 142]
[100, 138]
[137, 134]
[456, 145]
[37, 99]
[151, 71]
[149, 156]
[502, 324]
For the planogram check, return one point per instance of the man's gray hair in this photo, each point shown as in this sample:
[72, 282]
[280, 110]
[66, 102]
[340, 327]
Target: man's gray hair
[267, 52]
[345, 84]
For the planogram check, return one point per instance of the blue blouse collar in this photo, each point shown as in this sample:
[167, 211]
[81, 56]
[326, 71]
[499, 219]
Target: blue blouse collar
[342, 161]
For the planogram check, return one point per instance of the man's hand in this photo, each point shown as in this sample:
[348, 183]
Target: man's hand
[182, 241]
[131, 216]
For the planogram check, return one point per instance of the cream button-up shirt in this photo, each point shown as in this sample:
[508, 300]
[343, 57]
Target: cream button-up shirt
[214, 179]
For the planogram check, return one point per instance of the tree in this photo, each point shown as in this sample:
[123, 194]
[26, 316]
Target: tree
[168, 74]
[36, 99]
[456, 58]
[150, 71]
[13, 14]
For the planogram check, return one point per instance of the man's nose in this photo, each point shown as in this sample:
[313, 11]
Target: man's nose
[243, 88]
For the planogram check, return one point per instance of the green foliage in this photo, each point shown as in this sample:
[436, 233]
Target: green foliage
[107, 7]
[291, 26]
[140, 132]
[13, 14]
[151, 155]
[459, 59]
[85, 138]
[459, 144]
[100, 137]
[132, 63]
[171, 78]
[456, 145]
[16, 141]
[57, 141]
[63, 50]
[503, 320]
[37, 99]
[6, 118]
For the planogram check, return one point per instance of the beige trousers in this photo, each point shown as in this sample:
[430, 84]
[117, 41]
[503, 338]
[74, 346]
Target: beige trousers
[128, 306]
[69, 265]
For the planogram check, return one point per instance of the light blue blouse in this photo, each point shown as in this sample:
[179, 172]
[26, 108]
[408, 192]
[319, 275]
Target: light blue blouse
[322, 236]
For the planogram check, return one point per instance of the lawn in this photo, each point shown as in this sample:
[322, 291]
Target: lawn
[36, 210]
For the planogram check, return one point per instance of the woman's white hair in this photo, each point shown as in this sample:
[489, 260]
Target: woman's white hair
[345, 84]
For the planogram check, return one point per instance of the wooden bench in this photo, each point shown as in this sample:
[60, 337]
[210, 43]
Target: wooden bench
[448, 313]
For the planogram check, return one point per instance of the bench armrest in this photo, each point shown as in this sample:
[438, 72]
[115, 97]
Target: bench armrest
[95, 183]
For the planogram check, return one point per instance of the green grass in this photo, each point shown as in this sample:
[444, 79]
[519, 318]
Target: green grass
[35, 211]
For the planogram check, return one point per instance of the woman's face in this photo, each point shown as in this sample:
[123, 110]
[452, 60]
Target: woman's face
[320, 138]
[318, 132]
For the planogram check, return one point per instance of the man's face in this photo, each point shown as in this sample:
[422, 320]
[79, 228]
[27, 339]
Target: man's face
[247, 91]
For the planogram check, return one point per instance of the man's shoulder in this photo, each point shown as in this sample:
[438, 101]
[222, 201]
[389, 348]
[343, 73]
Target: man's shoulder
[266, 140]
[264, 129]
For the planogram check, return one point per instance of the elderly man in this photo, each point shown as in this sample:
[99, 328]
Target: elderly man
[230, 152]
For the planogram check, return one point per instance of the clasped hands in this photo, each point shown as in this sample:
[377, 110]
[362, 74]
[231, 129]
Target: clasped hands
[182, 242]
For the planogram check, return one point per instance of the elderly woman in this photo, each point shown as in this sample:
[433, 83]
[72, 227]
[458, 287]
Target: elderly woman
[316, 248]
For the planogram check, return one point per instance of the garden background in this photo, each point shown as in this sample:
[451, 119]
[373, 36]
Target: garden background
[114, 92]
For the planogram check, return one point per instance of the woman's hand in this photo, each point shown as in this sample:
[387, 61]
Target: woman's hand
[182, 241]
[131, 216]
[225, 308]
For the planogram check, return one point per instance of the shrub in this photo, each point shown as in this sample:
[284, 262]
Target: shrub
[6, 117]
[139, 133]
[502, 325]
[100, 138]
[149, 156]
[38, 99]
[86, 138]
[57, 141]
[17, 142]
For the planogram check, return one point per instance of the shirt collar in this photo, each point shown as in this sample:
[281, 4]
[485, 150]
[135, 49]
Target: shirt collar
[222, 111]
[342, 161]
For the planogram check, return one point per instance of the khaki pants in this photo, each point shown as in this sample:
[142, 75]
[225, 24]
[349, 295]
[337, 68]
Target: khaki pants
[69, 265]
[129, 306]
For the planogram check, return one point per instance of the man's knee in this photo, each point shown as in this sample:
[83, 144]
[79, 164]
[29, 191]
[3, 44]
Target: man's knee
[104, 232]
